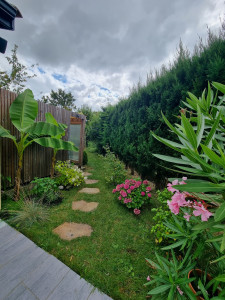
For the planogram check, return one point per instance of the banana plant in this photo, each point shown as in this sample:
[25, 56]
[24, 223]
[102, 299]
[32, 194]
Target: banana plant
[60, 144]
[23, 112]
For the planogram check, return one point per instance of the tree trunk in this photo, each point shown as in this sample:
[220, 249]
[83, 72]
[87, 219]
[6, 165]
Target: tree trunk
[18, 179]
[53, 163]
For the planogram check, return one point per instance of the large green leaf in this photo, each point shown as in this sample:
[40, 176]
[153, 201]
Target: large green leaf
[159, 290]
[201, 187]
[56, 143]
[42, 128]
[191, 136]
[6, 134]
[219, 86]
[220, 213]
[23, 110]
[213, 156]
[171, 159]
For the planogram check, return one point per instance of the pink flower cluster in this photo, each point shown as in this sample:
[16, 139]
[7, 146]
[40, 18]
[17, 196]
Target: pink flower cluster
[129, 191]
[179, 200]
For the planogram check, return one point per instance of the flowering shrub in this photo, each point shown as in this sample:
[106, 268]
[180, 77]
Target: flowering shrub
[193, 207]
[46, 189]
[68, 174]
[133, 194]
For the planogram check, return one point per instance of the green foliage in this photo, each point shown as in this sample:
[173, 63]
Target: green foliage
[60, 98]
[46, 189]
[30, 212]
[85, 158]
[18, 75]
[162, 213]
[69, 175]
[171, 280]
[126, 126]
[92, 147]
[115, 171]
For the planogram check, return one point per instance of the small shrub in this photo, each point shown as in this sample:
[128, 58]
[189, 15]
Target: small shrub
[92, 147]
[69, 175]
[46, 189]
[30, 212]
[162, 213]
[85, 158]
[114, 168]
[133, 193]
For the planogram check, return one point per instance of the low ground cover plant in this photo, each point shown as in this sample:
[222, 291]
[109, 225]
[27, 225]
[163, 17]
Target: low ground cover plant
[68, 174]
[133, 194]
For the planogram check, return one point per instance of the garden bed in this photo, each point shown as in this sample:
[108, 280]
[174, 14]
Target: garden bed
[113, 257]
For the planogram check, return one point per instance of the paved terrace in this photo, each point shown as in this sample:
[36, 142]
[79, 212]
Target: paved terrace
[29, 273]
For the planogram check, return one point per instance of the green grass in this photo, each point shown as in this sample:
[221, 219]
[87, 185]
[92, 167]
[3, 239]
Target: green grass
[113, 257]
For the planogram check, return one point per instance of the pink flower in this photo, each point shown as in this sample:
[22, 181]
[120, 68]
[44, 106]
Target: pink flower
[118, 188]
[132, 187]
[179, 198]
[129, 200]
[148, 188]
[137, 211]
[170, 186]
[179, 290]
[201, 211]
[126, 186]
[145, 182]
[119, 197]
[114, 191]
[123, 194]
[125, 200]
[142, 193]
[149, 195]
[128, 191]
[173, 206]
[148, 278]
[127, 181]
[184, 178]
[187, 216]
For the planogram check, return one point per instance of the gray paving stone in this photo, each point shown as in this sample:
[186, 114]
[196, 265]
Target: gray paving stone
[21, 293]
[69, 288]
[13, 248]
[46, 277]
[7, 233]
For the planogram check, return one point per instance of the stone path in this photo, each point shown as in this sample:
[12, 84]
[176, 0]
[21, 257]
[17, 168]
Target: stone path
[91, 181]
[27, 272]
[84, 206]
[90, 191]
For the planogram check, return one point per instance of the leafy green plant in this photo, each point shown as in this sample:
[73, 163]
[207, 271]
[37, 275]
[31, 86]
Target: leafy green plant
[23, 112]
[46, 188]
[69, 175]
[63, 145]
[115, 168]
[202, 152]
[4, 180]
[162, 213]
[133, 193]
[171, 278]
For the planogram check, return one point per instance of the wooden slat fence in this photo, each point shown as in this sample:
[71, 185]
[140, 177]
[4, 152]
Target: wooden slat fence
[37, 159]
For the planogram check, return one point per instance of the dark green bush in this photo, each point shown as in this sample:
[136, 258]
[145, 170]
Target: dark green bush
[85, 158]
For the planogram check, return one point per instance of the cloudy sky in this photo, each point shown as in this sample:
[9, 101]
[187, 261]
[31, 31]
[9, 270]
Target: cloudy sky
[99, 49]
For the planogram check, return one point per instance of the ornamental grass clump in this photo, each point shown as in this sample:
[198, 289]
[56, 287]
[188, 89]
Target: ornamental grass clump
[134, 194]
[68, 175]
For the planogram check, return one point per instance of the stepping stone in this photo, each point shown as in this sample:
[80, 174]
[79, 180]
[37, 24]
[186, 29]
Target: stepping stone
[69, 231]
[89, 191]
[91, 181]
[84, 206]
[87, 174]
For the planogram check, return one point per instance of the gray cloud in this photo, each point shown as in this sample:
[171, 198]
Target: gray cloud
[109, 38]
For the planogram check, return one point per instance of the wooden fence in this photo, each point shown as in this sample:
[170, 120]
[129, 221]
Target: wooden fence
[37, 159]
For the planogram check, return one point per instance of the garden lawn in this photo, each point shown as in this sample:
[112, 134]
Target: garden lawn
[113, 257]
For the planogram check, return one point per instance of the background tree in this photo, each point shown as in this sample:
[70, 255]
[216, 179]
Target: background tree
[15, 78]
[61, 99]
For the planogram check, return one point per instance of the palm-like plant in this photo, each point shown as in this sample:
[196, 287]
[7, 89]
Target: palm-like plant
[23, 112]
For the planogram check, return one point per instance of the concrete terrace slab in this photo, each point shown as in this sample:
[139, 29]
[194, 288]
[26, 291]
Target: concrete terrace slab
[29, 273]
[90, 191]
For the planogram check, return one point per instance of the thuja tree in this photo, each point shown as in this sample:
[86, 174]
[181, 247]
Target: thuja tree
[23, 112]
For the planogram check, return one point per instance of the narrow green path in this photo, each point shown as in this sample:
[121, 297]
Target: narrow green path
[113, 257]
